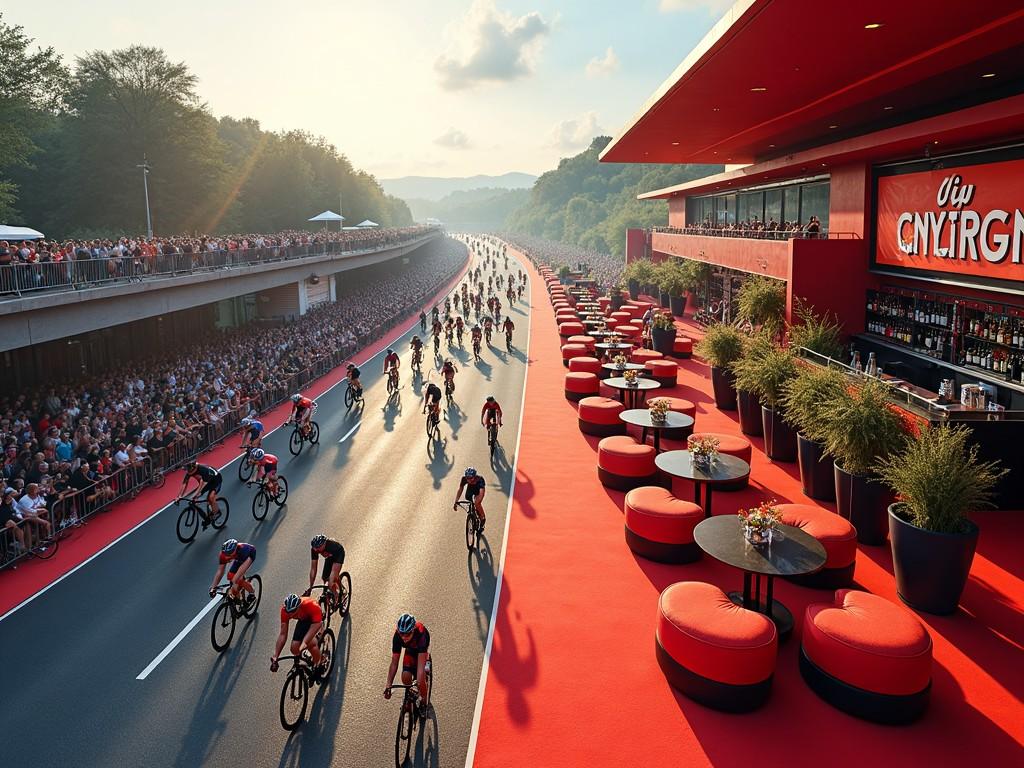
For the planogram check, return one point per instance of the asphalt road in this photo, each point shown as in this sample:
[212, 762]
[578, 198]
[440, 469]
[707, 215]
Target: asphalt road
[72, 656]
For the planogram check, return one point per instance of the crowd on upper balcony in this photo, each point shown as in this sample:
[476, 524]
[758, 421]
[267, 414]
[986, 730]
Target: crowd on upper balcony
[754, 227]
[70, 435]
[602, 267]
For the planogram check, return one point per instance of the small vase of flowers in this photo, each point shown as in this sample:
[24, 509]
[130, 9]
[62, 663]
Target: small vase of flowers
[630, 377]
[703, 451]
[658, 409]
[759, 523]
[620, 361]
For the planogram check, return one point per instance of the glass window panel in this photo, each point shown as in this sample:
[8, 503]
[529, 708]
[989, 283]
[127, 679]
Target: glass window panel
[773, 205]
[791, 203]
[814, 202]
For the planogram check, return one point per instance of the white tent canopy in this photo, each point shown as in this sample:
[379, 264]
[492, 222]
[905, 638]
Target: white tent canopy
[328, 216]
[19, 233]
[367, 224]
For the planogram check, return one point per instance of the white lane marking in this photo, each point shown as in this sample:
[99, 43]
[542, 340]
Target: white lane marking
[349, 433]
[130, 531]
[180, 636]
[478, 709]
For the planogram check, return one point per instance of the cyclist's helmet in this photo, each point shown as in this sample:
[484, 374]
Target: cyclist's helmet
[291, 603]
[296, 397]
[246, 422]
[490, 398]
[470, 472]
[350, 366]
[318, 541]
[391, 351]
[415, 338]
[258, 454]
[229, 546]
[406, 623]
[191, 466]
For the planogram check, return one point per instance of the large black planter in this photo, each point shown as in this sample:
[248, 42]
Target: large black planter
[665, 299]
[816, 472]
[750, 413]
[779, 437]
[634, 290]
[864, 503]
[663, 339]
[722, 382]
[617, 302]
[678, 305]
[931, 568]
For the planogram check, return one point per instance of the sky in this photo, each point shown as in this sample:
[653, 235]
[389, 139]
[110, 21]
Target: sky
[406, 87]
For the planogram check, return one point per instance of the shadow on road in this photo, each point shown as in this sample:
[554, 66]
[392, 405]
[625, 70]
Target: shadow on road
[482, 577]
[439, 465]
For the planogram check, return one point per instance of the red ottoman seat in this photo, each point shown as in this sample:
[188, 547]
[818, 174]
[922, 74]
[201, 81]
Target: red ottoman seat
[622, 317]
[712, 650]
[867, 656]
[625, 464]
[599, 416]
[682, 347]
[585, 364]
[662, 371]
[605, 302]
[734, 445]
[660, 527]
[614, 322]
[580, 384]
[605, 391]
[569, 351]
[642, 355]
[564, 316]
[586, 341]
[836, 535]
[630, 332]
[572, 328]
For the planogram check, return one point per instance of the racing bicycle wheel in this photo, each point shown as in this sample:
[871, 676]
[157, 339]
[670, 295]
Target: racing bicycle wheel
[349, 396]
[188, 523]
[327, 646]
[260, 504]
[257, 589]
[471, 530]
[295, 442]
[345, 598]
[245, 468]
[222, 519]
[314, 433]
[282, 491]
[294, 698]
[223, 627]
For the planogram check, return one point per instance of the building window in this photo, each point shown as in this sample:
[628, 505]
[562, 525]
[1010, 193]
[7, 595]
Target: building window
[814, 202]
[773, 205]
[791, 204]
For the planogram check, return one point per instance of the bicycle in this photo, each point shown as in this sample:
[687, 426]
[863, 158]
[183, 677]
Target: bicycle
[261, 501]
[353, 395]
[487, 336]
[188, 518]
[231, 609]
[492, 435]
[448, 336]
[299, 437]
[449, 391]
[458, 335]
[476, 349]
[417, 359]
[508, 341]
[392, 381]
[437, 345]
[472, 523]
[295, 691]
[245, 466]
[410, 714]
[330, 603]
[433, 423]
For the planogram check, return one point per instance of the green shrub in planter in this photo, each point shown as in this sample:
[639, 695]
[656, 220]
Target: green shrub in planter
[806, 395]
[764, 369]
[663, 333]
[762, 302]
[564, 272]
[818, 334]
[939, 480]
[721, 346]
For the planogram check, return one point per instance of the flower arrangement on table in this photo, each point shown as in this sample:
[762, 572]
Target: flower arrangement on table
[613, 338]
[620, 361]
[630, 377]
[703, 450]
[658, 408]
[602, 326]
[760, 522]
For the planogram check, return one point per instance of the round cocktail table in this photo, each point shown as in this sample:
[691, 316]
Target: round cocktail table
[726, 469]
[641, 417]
[632, 395]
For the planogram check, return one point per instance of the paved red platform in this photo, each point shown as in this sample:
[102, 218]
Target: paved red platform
[573, 681]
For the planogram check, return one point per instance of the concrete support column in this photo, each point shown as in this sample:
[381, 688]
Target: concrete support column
[283, 301]
[334, 292]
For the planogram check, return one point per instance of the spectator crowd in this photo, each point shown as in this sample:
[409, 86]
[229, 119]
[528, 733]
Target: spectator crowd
[73, 437]
[606, 270]
[754, 228]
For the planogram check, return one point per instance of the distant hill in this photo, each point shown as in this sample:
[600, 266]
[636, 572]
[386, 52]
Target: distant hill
[436, 187]
[474, 210]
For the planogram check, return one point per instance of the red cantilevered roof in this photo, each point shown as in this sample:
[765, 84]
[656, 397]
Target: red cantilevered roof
[782, 75]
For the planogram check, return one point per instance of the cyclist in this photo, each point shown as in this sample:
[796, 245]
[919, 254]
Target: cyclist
[414, 638]
[252, 433]
[423, 321]
[436, 327]
[448, 371]
[508, 326]
[208, 482]
[490, 412]
[433, 314]
[334, 557]
[241, 556]
[449, 327]
[488, 328]
[308, 619]
[353, 380]
[475, 491]
[432, 397]
[437, 344]
[302, 411]
[391, 364]
[460, 327]
[417, 350]
[266, 468]
[475, 335]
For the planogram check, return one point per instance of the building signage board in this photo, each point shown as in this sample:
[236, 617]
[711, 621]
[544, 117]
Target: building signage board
[965, 222]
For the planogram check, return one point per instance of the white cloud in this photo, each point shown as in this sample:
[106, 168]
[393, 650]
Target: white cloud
[603, 66]
[453, 138]
[715, 6]
[575, 134]
[492, 46]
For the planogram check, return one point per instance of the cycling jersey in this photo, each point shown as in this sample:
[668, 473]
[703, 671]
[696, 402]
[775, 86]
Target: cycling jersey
[416, 343]
[417, 644]
[269, 461]
[332, 551]
[490, 410]
[256, 429]
[473, 486]
[448, 371]
[508, 325]
[433, 393]
[390, 360]
[353, 374]
[242, 553]
[303, 404]
[308, 611]
[205, 473]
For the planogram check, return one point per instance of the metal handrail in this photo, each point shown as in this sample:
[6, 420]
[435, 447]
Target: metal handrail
[757, 234]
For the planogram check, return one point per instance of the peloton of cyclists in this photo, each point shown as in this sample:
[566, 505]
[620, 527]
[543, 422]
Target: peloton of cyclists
[241, 555]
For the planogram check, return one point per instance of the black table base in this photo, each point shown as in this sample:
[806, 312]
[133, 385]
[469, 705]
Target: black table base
[769, 606]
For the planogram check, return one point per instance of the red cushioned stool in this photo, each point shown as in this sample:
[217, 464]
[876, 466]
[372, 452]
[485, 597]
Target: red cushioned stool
[868, 657]
[586, 341]
[624, 464]
[585, 364]
[734, 445]
[835, 534]
[682, 347]
[712, 650]
[662, 371]
[642, 355]
[569, 351]
[605, 391]
[580, 384]
[622, 317]
[599, 416]
[572, 328]
[660, 527]
[629, 332]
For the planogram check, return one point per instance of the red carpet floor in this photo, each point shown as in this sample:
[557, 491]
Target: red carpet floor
[17, 585]
[573, 679]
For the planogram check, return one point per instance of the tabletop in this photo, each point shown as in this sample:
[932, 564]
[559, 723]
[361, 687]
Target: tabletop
[641, 417]
[679, 464]
[625, 367]
[618, 382]
[792, 554]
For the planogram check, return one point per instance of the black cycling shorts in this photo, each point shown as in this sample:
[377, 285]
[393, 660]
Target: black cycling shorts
[329, 563]
[212, 486]
[301, 628]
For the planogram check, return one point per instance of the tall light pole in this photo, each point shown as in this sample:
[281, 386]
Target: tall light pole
[145, 188]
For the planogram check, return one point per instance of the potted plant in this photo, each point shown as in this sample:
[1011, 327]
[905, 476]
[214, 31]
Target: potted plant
[638, 273]
[818, 334]
[859, 430]
[662, 275]
[674, 283]
[615, 294]
[803, 398]
[938, 480]
[761, 301]
[748, 403]
[699, 273]
[721, 346]
[563, 274]
[763, 371]
[663, 333]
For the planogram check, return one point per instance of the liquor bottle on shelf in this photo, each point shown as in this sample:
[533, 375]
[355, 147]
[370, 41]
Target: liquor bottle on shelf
[872, 369]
